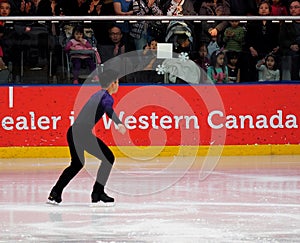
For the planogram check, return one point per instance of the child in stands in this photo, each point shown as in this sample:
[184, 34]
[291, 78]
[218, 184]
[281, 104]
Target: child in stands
[203, 61]
[217, 72]
[79, 43]
[234, 37]
[278, 8]
[233, 67]
[267, 69]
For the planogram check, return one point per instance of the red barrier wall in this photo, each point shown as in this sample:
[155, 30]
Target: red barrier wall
[157, 115]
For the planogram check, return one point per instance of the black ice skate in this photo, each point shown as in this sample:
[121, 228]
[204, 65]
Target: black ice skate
[54, 198]
[102, 199]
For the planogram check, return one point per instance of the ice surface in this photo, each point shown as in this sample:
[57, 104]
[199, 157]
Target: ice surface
[244, 199]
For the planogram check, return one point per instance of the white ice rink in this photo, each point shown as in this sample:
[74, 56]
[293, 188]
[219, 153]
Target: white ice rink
[243, 199]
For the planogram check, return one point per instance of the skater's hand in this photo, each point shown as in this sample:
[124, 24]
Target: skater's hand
[121, 129]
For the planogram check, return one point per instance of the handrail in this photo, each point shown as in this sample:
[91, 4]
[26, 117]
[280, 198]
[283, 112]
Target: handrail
[194, 18]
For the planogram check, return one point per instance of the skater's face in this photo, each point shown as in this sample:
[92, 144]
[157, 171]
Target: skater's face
[115, 86]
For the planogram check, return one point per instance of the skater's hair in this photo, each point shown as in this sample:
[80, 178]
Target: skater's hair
[107, 77]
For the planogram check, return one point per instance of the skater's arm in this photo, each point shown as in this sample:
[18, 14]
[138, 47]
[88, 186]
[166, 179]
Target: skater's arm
[112, 115]
[107, 104]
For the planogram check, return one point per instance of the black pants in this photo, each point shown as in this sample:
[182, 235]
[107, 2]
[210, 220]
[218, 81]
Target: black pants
[80, 140]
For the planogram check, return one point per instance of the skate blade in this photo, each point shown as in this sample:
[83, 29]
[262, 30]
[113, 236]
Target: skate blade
[52, 202]
[102, 204]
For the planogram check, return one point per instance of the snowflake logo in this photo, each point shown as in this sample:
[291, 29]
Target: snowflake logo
[161, 69]
[183, 56]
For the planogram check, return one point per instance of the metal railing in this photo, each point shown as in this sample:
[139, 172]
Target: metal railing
[195, 18]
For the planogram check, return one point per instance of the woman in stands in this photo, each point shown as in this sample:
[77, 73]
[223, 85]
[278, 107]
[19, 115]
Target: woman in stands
[261, 39]
[139, 30]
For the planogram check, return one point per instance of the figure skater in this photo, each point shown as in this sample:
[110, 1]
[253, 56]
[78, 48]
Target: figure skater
[80, 138]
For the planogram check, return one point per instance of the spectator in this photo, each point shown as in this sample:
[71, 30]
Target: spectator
[234, 37]
[183, 44]
[56, 8]
[77, 43]
[4, 10]
[215, 29]
[99, 8]
[25, 7]
[5, 75]
[20, 7]
[177, 7]
[217, 72]
[278, 8]
[2, 63]
[267, 69]
[148, 64]
[243, 8]
[261, 39]
[95, 7]
[10, 42]
[75, 7]
[139, 30]
[202, 61]
[150, 55]
[116, 46]
[124, 8]
[289, 39]
[233, 67]
[180, 8]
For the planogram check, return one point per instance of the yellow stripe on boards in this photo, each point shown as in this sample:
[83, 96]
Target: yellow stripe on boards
[154, 151]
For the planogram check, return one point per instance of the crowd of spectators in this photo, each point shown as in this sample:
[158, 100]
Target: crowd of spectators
[229, 51]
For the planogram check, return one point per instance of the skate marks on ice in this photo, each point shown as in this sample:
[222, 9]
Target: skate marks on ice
[250, 204]
[155, 221]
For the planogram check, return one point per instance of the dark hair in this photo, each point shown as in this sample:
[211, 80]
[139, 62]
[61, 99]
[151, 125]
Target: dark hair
[182, 38]
[152, 39]
[114, 26]
[266, 2]
[213, 60]
[275, 60]
[77, 28]
[289, 2]
[107, 77]
[201, 44]
[232, 55]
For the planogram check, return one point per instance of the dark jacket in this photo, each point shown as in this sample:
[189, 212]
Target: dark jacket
[263, 38]
[287, 37]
